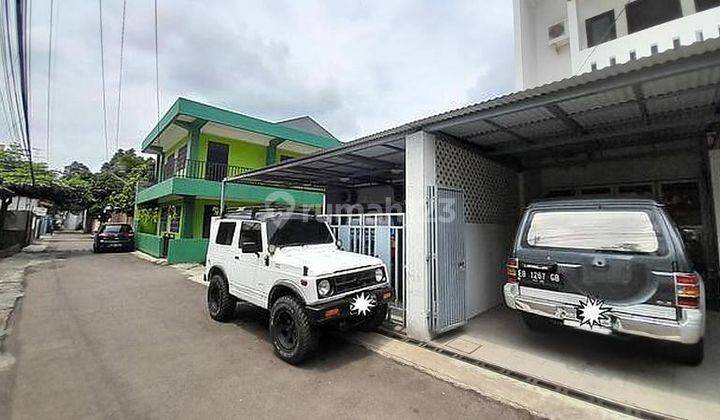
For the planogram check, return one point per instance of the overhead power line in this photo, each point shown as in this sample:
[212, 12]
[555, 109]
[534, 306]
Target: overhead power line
[102, 72]
[48, 113]
[20, 13]
[157, 71]
[16, 85]
[120, 77]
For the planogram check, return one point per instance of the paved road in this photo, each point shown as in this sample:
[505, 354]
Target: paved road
[112, 336]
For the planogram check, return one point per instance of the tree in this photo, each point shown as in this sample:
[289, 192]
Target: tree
[76, 188]
[77, 170]
[15, 170]
[115, 184]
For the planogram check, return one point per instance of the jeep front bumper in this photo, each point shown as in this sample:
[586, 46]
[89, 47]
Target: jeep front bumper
[686, 327]
[339, 310]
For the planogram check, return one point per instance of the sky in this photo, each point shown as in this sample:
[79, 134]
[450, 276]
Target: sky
[357, 67]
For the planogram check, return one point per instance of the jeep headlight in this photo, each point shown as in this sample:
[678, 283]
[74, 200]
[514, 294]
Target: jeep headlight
[379, 275]
[324, 288]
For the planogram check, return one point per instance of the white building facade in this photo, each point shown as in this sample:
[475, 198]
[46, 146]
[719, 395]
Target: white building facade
[557, 39]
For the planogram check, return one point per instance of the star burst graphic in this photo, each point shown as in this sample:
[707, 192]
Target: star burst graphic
[362, 304]
[592, 311]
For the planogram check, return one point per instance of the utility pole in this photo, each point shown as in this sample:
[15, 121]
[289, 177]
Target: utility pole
[19, 16]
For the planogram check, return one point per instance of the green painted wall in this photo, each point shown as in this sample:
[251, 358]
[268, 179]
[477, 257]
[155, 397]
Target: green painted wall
[200, 212]
[184, 250]
[149, 244]
[240, 153]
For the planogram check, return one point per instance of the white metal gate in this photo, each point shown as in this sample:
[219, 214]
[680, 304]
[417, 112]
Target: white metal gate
[446, 264]
[380, 235]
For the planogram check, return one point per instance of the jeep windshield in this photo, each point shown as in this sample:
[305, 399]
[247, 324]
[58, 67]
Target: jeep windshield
[294, 232]
[615, 231]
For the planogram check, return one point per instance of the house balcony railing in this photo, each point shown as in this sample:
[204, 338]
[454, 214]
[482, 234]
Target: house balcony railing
[200, 169]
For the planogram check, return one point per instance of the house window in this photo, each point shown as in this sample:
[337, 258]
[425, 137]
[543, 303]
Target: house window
[225, 233]
[643, 14]
[600, 28]
[701, 5]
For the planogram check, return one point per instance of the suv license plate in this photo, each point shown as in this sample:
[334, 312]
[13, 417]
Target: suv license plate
[543, 278]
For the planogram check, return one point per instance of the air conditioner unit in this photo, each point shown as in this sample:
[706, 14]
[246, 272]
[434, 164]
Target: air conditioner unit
[558, 34]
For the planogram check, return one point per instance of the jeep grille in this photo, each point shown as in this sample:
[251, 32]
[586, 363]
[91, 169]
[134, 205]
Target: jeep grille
[347, 282]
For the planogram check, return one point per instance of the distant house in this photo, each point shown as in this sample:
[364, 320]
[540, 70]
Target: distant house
[196, 146]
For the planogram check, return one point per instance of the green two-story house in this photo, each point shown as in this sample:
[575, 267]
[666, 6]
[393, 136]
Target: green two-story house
[196, 146]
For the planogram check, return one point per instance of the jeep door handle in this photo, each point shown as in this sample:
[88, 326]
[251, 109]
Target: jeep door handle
[237, 257]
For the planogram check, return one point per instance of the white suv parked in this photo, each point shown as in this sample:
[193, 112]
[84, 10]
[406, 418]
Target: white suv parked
[290, 263]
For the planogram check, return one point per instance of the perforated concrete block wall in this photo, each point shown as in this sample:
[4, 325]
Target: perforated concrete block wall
[491, 189]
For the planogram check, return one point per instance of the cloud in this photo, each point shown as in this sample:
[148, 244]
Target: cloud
[357, 67]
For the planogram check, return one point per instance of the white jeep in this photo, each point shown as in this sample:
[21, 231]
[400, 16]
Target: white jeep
[289, 263]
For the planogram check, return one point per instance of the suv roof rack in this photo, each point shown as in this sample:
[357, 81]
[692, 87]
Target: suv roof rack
[252, 212]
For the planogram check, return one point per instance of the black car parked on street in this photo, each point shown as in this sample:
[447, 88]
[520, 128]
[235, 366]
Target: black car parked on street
[114, 236]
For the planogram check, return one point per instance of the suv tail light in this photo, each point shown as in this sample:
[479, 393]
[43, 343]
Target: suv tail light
[512, 266]
[687, 290]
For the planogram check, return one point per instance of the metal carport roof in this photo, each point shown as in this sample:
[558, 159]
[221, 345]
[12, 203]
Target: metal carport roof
[653, 102]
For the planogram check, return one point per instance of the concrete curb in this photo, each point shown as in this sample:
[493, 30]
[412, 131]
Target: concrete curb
[150, 258]
[193, 272]
[532, 399]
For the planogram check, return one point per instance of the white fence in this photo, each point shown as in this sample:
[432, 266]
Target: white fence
[380, 235]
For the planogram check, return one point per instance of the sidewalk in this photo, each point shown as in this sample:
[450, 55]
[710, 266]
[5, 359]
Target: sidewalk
[12, 272]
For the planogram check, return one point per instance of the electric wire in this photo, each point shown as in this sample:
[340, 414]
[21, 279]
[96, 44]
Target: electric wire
[6, 94]
[11, 81]
[48, 112]
[120, 77]
[102, 72]
[157, 71]
[20, 26]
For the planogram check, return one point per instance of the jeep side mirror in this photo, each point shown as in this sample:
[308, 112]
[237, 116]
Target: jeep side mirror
[271, 249]
[338, 243]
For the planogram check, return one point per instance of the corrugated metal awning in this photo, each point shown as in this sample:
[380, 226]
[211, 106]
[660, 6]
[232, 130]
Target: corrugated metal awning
[655, 101]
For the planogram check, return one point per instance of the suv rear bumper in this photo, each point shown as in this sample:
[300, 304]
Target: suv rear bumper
[317, 313]
[688, 328]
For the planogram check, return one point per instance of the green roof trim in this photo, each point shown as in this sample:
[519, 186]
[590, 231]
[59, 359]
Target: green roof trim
[217, 115]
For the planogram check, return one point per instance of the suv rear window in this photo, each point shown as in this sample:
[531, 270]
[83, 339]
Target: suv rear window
[115, 229]
[618, 231]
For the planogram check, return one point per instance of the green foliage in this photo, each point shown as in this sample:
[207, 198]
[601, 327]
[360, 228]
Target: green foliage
[15, 170]
[77, 188]
[147, 219]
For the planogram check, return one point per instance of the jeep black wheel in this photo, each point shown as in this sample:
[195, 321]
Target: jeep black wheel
[376, 319]
[689, 354]
[221, 304]
[293, 336]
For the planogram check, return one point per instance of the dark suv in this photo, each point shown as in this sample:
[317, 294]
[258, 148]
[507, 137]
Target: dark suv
[610, 266]
[114, 236]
